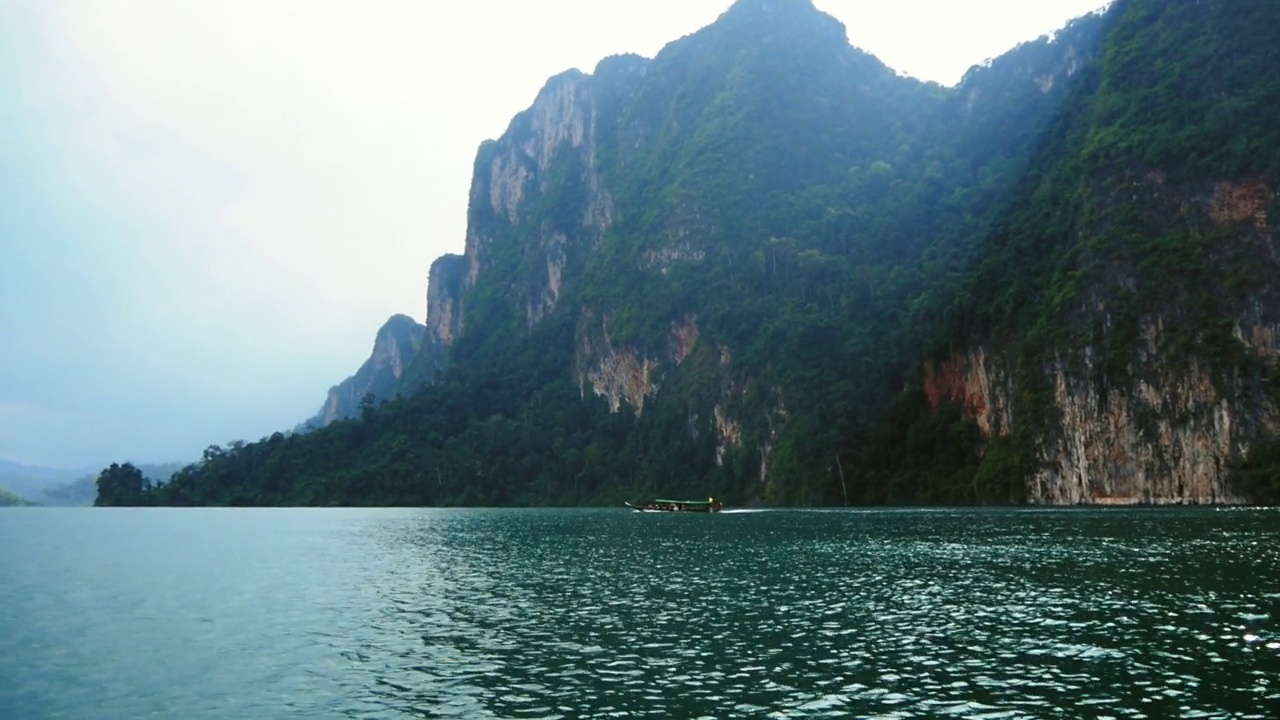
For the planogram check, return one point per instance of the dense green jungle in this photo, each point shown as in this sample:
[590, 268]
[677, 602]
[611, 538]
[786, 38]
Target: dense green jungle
[733, 277]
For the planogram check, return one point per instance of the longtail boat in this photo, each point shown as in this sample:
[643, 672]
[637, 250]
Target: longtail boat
[709, 505]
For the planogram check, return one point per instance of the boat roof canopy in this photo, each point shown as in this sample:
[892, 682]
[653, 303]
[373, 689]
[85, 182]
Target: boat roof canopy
[684, 502]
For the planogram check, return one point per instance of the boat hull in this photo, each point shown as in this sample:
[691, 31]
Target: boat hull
[676, 506]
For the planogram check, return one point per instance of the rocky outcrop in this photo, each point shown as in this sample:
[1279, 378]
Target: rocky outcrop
[1166, 440]
[1165, 437]
[520, 213]
[623, 375]
[1164, 424]
[1235, 202]
[446, 288]
[664, 258]
[979, 385]
[445, 285]
[615, 374]
[1034, 71]
[397, 344]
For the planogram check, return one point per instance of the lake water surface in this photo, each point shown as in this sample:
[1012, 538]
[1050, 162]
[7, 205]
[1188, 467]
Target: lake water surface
[225, 613]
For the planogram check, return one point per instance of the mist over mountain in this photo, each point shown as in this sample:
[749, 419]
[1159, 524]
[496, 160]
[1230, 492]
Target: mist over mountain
[29, 482]
[34, 485]
[765, 267]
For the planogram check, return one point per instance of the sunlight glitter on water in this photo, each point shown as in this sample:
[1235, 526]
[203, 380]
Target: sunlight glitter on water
[594, 614]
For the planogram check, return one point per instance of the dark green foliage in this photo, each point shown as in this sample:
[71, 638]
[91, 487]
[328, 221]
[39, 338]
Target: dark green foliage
[123, 486]
[1256, 477]
[1190, 88]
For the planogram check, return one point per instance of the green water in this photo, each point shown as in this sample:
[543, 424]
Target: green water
[171, 613]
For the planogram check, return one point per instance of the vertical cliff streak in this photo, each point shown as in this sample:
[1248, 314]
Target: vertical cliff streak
[599, 214]
[541, 301]
[683, 337]
[775, 417]
[728, 433]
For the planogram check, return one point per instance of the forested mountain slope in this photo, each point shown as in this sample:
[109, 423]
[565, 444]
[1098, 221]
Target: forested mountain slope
[1118, 342]
[763, 266]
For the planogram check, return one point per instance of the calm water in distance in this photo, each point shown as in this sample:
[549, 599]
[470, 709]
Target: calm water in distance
[223, 613]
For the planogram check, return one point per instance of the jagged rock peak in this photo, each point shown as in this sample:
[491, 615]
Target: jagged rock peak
[772, 6]
[756, 31]
[396, 344]
[555, 83]
[623, 65]
[768, 17]
[396, 325]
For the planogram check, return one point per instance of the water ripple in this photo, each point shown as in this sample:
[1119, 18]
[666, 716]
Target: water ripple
[604, 614]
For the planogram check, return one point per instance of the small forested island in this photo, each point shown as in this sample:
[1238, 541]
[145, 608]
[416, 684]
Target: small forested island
[764, 267]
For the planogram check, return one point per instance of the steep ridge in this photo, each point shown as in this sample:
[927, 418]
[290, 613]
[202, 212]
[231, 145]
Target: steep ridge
[721, 156]
[398, 342]
[445, 288]
[1118, 344]
[715, 272]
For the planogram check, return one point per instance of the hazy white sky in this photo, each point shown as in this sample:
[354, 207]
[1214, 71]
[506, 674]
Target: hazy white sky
[208, 208]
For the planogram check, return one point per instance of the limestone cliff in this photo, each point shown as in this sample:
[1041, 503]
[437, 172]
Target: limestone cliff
[537, 198]
[547, 233]
[513, 241]
[445, 293]
[398, 342]
[722, 269]
[444, 300]
[1166, 427]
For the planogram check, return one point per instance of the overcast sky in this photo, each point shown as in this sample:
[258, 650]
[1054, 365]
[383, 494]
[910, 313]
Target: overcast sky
[208, 208]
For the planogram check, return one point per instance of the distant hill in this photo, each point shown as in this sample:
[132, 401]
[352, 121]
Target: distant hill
[82, 491]
[77, 493]
[10, 468]
[62, 486]
[31, 481]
